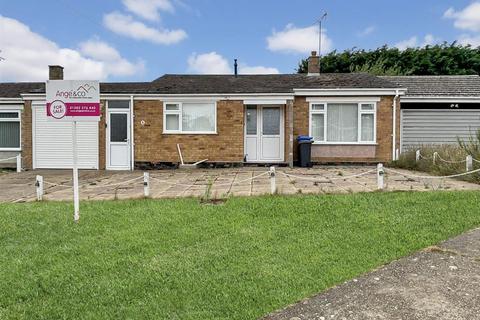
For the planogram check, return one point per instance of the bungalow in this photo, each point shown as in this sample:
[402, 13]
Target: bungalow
[223, 118]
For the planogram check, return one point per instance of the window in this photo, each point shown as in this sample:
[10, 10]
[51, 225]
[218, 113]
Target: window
[338, 123]
[118, 104]
[191, 117]
[9, 130]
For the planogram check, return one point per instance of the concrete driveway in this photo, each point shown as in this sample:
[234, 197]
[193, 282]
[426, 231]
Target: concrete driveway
[438, 283]
[246, 181]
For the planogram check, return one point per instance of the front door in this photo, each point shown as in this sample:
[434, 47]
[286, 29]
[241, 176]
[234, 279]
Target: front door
[118, 140]
[264, 133]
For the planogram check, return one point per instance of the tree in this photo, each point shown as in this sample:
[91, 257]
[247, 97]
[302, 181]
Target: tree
[441, 59]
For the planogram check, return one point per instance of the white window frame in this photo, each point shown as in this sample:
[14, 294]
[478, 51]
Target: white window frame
[17, 119]
[180, 120]
[359, 119]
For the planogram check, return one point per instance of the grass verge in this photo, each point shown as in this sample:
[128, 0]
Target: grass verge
[178, 259]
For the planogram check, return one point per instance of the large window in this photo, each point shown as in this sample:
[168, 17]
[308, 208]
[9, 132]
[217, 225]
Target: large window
[337, 123]
[9, 130]
[189, 117]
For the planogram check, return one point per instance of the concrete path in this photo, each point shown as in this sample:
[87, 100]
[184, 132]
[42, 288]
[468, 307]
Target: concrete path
[246, 181]
[441, 283]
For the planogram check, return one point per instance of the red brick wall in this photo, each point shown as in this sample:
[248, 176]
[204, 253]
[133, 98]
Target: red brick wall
[152, 145]
[27, 135]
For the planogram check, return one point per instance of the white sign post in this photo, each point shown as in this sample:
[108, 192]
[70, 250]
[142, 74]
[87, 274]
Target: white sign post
[73, 100]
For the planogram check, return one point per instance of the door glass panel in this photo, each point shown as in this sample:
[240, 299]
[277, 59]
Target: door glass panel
[118, 127]
[252, 120]
[118, 104]
[271, 121]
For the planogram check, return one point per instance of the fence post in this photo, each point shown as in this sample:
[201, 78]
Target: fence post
[380, 174]
[273, 183]
[39, 186]
[417, 155]
[19, 162]
[435, 154]
[146, 184]
[469, 163]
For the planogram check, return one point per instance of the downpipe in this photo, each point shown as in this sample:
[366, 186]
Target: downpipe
[394, 126]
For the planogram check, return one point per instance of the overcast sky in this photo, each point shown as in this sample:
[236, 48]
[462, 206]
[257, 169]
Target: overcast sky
[140, 40]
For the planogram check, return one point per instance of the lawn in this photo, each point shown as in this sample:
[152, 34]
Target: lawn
[179, 259]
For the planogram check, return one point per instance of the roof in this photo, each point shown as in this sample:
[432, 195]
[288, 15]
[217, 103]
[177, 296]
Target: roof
[219, 84]
[272, 83]
[438, 86]
[14, 89]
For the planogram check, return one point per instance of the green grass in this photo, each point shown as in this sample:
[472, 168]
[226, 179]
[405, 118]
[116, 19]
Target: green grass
[178, 259]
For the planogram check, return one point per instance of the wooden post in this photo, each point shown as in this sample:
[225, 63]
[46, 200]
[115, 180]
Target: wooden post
[39, 186]
[380, 174]
[469, 163]
[146, 184]
[417, 156]
[19, 162]
[273, 185]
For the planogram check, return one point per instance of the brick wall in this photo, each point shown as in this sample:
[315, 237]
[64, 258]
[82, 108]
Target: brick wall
[383, 149]
[151, 145]
[27, 135]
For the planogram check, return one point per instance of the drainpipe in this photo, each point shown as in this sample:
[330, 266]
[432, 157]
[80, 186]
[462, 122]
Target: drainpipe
[132, 138]
[394, 126]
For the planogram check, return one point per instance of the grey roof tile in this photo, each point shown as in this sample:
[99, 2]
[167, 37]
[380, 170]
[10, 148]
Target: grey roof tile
[439, 86]
[211, 84]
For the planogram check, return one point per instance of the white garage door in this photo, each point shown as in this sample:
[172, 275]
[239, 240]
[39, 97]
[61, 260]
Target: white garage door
[440, 126]
[53, 142]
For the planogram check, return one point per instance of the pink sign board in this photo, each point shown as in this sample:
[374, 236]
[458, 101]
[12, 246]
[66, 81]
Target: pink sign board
[73, 100]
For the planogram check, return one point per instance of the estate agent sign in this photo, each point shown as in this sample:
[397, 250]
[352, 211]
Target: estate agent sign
[73, 100]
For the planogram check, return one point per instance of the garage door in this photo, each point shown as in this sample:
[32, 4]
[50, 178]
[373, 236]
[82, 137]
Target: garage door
[438, 126]
[53, 142]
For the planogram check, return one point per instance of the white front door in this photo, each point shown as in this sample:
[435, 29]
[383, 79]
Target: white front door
[264, 133]
[118, 140]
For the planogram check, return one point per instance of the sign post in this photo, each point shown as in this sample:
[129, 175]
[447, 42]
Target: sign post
[73, 101]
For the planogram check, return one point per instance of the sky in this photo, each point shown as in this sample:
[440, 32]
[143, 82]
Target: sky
[140, 40]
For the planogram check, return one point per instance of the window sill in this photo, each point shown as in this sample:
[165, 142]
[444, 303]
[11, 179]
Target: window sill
[10, 149]
[345, 143]
[190, 133]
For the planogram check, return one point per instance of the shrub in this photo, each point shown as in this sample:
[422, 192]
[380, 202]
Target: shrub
[450, 160]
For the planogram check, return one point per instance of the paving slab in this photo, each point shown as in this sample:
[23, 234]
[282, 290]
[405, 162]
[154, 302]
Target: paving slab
[247, 181]
[438, 283]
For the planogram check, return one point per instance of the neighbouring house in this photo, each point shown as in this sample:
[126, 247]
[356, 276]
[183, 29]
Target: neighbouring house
[438, 109]
[354, 118]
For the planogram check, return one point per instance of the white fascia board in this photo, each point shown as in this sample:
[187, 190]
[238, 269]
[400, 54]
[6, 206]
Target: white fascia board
[14, 107]
[264, 101]
[33, 96]
[10, 100]
[214, 97]
[343, 99]
[349, 92]
[446, 99]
